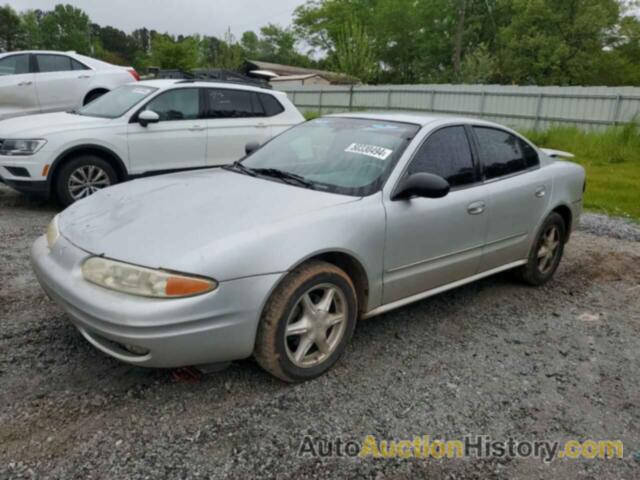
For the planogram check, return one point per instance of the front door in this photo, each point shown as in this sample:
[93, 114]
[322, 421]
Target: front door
[433, 242]
[17, 87]
[177, 141]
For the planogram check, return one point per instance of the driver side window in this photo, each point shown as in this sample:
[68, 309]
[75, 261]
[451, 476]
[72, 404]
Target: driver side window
[180, 104]
[446, 153]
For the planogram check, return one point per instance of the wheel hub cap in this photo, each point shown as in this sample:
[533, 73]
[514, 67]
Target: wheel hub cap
[316, 325]
[87, 180]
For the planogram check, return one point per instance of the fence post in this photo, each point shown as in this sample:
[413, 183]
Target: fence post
[482, 101]
[616, 110]
[538, 111]
[320, 102]
[293, 98]
[389, 92]
[432, 100]
[351, 98]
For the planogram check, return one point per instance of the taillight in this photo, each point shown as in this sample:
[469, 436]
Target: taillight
[134, 74]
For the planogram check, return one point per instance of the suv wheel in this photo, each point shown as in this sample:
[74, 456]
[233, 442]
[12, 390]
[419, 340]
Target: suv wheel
[83, 176]
[307, 322]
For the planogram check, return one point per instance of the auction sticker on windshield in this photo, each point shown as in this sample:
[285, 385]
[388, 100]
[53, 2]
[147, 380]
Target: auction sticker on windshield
[374, 151]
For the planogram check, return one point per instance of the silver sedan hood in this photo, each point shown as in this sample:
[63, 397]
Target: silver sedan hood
[168, 221]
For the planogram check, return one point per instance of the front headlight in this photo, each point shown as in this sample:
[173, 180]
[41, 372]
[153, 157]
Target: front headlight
[21, 147]
[52, 232]
[145, 282]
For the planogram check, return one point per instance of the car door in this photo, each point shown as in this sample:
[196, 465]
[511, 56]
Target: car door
[17, 88]
[432, 242]
[178, 141]
[61, 82]
[518, 194]
[234, 118]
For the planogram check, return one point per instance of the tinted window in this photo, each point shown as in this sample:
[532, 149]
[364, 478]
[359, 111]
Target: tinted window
[182, 104]
[446, 153]
[233, 104]
[271, 105]
[53, 63]
[78, 66]
[503, 153]
[14, 65]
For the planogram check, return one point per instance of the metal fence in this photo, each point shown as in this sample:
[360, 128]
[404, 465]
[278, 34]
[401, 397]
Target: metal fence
[521, 107]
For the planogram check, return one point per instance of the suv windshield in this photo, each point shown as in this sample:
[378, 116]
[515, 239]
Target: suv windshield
[338, 154]
[116, 102]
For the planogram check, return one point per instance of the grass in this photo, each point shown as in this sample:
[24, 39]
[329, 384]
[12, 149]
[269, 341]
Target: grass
[611, 159]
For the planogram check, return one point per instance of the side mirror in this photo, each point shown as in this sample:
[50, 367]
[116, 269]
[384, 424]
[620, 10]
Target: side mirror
[424, 185]
[148, 116]
[251, 147]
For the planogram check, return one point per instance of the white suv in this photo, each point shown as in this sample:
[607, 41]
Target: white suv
[139, 129]
[42, 81]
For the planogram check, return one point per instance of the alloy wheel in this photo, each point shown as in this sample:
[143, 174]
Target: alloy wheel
[316, 325]
[87, 180]
[548, 249]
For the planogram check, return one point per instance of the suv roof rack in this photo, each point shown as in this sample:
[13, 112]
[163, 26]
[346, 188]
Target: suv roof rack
[234, 82]
[211, 75]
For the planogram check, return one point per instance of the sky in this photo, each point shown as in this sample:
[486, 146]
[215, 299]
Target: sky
[206, 17]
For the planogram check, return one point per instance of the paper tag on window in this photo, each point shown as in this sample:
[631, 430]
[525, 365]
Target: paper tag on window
[374, 151]
[141, 91]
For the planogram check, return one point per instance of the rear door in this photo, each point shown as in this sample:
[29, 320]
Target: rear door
[435, 241]
[61, 82]
[17, 87]
[178, 141]
[234, 118]
[518, 195]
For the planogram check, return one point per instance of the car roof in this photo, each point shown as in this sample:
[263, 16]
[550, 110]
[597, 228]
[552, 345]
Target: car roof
[166, 83]
[417, 118]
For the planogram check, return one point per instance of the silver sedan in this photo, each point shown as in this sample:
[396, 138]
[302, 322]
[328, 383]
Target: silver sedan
[279, 255]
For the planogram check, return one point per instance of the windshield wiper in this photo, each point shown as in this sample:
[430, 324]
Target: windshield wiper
[237, 166]
[287, 176]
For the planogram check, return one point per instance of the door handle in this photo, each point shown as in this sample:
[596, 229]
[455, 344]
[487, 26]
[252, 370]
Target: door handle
[262, 125]
[541, 192]
[84, 76]
[476, 208]
[196, 128]
[24, 84]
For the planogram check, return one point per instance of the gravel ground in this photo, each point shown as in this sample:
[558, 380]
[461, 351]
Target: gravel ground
[492, 358]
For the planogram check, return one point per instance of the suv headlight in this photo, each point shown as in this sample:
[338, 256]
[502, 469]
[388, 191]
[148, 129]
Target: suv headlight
[52, 232]
[21, 147]
[144, 282]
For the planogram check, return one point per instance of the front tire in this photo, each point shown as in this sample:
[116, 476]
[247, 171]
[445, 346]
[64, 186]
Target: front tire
[82, 177]
[546, 252]
[307, 322]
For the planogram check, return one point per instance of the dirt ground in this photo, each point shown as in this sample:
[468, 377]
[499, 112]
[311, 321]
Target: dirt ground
[493, 358]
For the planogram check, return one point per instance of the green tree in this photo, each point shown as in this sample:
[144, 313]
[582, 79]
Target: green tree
[11, 31]
[354, 54]
[230, 53]
[32, 36]
[66, 28]
[168, 53]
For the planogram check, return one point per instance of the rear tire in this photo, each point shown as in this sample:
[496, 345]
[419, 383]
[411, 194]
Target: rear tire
[81, 177]
[307, 322]
[546, 252]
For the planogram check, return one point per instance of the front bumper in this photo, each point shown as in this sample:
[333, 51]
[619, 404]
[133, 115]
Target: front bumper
[216, 327]
[33, 183]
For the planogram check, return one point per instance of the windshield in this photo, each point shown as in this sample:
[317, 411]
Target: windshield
[342, 155]
[116, 102]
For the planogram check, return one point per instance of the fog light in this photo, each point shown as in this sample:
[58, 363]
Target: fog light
[136, 350]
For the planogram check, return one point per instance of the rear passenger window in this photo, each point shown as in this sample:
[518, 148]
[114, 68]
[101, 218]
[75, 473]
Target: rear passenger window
[446, 153]
[223, 103]
[77, 65]
[53, 63]
[272, 106]
[14, 65]
[503, 153]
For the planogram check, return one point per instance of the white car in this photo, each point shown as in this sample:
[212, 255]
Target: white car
[139, 129]
[45, 81]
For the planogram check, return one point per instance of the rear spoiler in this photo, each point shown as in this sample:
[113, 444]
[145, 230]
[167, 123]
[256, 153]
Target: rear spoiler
[557, 153]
